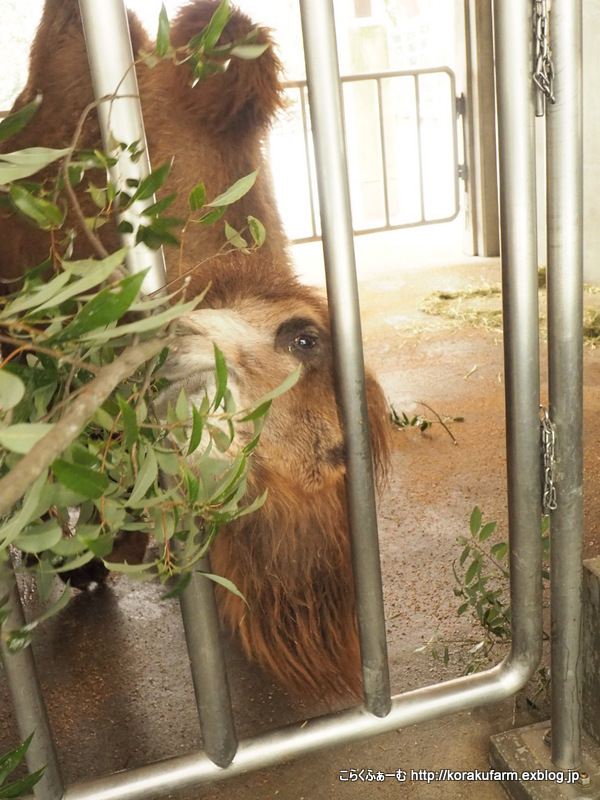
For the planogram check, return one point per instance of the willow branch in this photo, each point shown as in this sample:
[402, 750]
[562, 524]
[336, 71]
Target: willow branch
[14, 485]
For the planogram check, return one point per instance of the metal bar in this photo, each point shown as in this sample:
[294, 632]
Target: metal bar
[419, 148]
[111, 62]
[304, 738]
[27, 698]
[203, 639]
[311, 188]
[336, 221]
[516, 108]
[564, 200]
[106, 28]
[384, 172]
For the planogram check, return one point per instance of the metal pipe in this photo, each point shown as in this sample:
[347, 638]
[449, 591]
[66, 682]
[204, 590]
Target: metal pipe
[110, 55]
[516, 141]
[106, 29]
[564, 164]
[336, 220]
[207, 663]
[27, 698]
[304, 738]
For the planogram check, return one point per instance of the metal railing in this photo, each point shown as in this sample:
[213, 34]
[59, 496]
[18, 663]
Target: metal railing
[400, 131]
[224, 756]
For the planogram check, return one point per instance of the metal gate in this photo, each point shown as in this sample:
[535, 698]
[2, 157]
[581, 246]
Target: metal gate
[402, 150]
[223, 755]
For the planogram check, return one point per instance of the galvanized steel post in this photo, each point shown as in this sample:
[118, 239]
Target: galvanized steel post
[334, 198]
[564, 200]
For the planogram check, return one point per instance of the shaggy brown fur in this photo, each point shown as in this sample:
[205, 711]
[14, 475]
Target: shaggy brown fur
[291, 559]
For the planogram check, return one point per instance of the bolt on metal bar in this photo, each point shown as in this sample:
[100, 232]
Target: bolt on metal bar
[336, 221]
[110, 55]
[516, 148]
[106, 29]
[27, 698]
[564, 203]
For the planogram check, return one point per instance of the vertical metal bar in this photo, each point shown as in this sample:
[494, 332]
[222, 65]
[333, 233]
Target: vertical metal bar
[27, 698]
[386, 196]
[311, 188]
[111, 62]
[565, 344]
[516, 109]
[203, 638]
[106, 29]
[326, 112]
[419, 147]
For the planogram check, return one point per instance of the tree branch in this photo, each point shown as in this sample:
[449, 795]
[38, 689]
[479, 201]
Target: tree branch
[14, 485]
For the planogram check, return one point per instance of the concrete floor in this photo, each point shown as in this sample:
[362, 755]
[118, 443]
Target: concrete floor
[114, 665]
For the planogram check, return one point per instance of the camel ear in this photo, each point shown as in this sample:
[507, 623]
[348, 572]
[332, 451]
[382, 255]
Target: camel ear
[248, 94]
[379, 426]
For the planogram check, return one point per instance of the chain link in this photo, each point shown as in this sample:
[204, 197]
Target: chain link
[548, 444]
[543, 75]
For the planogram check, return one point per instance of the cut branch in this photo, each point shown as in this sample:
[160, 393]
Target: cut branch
[14, 485]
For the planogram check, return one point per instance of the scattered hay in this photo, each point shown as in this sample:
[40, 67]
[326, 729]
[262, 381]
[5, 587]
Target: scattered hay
[591, 325]
[480, 307]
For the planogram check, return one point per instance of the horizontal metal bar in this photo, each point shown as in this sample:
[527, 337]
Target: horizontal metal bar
[305, 738]
[373, 76]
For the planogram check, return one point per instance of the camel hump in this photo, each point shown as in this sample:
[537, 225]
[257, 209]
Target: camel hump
[248, 95]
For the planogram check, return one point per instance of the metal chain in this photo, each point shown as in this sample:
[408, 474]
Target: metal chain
[543, 75]
[548, 443]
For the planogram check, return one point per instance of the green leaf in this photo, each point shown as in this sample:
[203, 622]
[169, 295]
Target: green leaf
[210, 35]
[472, 571]
[10, 761]
[151, 323]
[225, 583]
[212, 216]
[197, 197]
[475, 521]
[21, 787]
[257, 231]
[235, 192]
[12, 390]
[94, 273]
[248, 52]
[196, 432]
[16, 121]
[107, 306]
[23, 163]
[152, 183]
[39, 537]
[487, 531]
[160, 206]
[284, 386]
[20, 438]
[234, 237]
[80, 479]
[163, 41]
[221, 377]
[45, 214]
[146, 476]
[131, 432]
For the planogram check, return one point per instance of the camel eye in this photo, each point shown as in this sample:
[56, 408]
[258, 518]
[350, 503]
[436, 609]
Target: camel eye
[305, 341]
